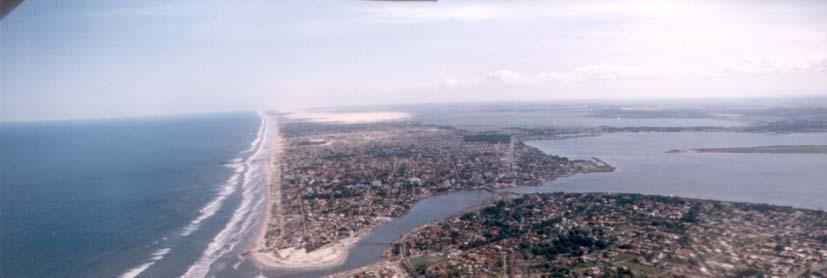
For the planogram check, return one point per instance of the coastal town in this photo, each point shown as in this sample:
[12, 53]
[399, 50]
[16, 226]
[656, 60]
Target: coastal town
[413, 139]
[339, 181]
[335, 182]
[617, 235]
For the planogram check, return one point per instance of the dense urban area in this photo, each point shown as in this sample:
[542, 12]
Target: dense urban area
[342, 180]
[615, 235]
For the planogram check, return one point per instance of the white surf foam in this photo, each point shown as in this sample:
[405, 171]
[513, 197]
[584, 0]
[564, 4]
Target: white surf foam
[259, 133]
[230, 186]
[243, 217]
[136, 271]
[156, 256]
[214, 205]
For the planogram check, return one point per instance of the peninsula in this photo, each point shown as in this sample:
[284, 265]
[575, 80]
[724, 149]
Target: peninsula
[331, 182]
[614, 235]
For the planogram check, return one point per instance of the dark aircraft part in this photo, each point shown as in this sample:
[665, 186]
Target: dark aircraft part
[6, 6]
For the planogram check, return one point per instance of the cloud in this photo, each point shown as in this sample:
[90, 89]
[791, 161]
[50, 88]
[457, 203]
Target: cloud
[607, 72]
[402, 14]
[500, 77]
[777, 65]
[530, 10]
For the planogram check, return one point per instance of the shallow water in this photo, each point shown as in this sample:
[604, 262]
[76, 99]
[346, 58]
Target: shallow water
[798, 180]
[369, 249]
[644, 167]
[558, 118]
[103, 198]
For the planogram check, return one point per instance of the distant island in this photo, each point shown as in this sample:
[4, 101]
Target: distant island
[817, 149]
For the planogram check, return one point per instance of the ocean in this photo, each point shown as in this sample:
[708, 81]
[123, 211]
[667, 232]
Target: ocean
[184, 196]
[155, 197]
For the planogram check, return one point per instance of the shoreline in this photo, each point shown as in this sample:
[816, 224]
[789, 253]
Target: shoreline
[331, 255]
[336, 253]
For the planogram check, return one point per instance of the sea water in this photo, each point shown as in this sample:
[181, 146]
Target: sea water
[109, 198]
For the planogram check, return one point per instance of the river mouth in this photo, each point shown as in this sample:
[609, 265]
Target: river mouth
[369, 249]
[643, 167]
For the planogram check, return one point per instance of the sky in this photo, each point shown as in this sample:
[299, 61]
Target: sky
[103, 59]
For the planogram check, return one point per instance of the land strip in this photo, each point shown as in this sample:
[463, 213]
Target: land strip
[333, 183]
[265, 253]
[619, 235]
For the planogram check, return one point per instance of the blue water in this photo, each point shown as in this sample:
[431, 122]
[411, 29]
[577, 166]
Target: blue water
[98, 198]
[796, 180]
[370, 249]
[562, 118]
[183, 196]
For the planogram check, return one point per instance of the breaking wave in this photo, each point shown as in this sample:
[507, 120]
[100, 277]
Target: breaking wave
[156, 256]
[243, 218]
[242, 175]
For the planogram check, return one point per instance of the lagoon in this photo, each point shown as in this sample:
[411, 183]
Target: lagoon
[643, 167]
[797, 180]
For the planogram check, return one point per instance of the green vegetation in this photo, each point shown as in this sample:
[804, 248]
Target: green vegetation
[489, 138]
[569, 243]
[621, 235]
[421, 264]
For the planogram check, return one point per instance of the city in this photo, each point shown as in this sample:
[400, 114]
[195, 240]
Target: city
[342, 180]
[617, 235]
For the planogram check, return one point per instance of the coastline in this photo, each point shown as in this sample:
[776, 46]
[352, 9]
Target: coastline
[332, 255]
[297, 258]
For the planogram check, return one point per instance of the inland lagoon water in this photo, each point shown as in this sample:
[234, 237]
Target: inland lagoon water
[561, 116]
[370, 248]
[643, 167]
[521, 119]
[184, 196]
[797, 180]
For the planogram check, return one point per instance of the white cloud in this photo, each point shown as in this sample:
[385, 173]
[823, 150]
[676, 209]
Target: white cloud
[777, 65]
[532, 10]
[604, 72]
[500, 77]
[433, 12]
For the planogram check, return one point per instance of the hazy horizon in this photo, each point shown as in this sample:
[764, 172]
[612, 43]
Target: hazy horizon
[96, 59]
[413, 138]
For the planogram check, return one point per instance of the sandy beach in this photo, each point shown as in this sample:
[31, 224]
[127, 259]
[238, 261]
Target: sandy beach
[294, 258]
